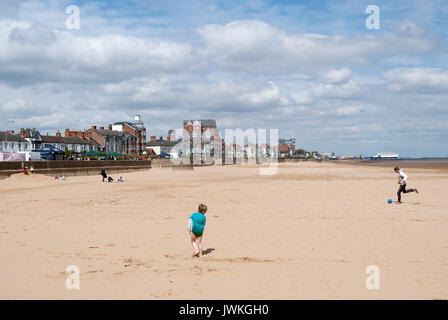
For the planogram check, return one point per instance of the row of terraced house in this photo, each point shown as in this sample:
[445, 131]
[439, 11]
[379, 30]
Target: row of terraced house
[127, 137]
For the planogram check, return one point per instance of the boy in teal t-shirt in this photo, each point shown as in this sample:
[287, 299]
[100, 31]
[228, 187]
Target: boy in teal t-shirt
[196, 225]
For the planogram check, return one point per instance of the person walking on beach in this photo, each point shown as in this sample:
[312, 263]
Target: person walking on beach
[402, 177]
[196, 225]
[103, 173]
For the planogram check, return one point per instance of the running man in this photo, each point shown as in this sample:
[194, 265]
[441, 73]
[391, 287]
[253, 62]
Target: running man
[402, 177]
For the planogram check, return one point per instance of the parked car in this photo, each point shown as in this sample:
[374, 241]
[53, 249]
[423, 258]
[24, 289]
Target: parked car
[164, 155]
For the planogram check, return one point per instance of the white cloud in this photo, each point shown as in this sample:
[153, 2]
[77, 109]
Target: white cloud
[253, 45]
[302, 97]
[421, 80]
[17, 105]
[346, 90]
[36, 54]
[22, 108]
[349, 110]
[337, 76]
[266, 95]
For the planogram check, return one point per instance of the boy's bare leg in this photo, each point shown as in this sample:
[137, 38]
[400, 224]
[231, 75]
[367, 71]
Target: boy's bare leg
[199, 240]
[194, 243]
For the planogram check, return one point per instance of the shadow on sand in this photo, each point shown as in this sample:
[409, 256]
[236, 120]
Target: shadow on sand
[207, 251]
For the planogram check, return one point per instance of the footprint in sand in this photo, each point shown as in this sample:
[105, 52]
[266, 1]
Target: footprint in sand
[128, 262]
[95, 271]
[241, 260]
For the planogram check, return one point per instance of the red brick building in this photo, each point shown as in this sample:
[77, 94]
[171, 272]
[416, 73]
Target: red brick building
[136, 129]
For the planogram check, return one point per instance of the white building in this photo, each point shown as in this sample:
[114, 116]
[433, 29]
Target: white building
[386, 155]
[14, 144]
[159, 146]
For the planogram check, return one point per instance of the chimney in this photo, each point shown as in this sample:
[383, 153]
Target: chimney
[67, 132]
[171, 135]
[153, 138]
[22, 132]
[11, 131]
[58, 133]
[94, 127]
[110, 127]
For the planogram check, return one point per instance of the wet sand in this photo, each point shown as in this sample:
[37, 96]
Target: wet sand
[434, 164]
[308, 232]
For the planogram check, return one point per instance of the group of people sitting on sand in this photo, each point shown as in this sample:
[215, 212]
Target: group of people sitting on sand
[110, 179]
[27, 171]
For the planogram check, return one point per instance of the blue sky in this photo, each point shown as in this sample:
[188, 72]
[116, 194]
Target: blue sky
[309, 68]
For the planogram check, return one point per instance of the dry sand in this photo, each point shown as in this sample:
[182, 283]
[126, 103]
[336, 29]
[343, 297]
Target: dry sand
[308, 232]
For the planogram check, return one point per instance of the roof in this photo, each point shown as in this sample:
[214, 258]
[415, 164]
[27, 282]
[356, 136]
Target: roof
[108, 132]
[162, 143]
[204, 123]
[11, 137]
[75, 140]
[291, 140]
[96, 143]
[52, 139]
[31, 133]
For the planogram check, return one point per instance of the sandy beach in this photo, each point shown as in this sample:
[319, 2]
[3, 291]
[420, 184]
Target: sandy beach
[308, 232]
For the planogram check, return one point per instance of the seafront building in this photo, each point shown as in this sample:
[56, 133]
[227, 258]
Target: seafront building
[385, 156]
[286, 147]
[10, 142]
[55, 141]
[135, 129]
[122, 137]
[33, 136]
[109, 141]
[127, 137]
[161, 146]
